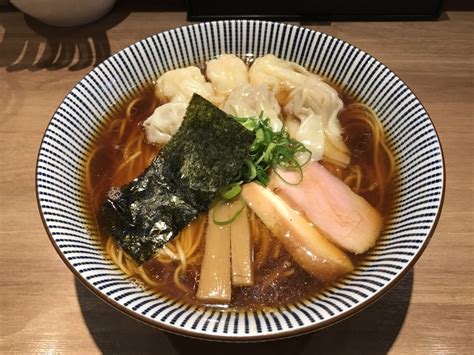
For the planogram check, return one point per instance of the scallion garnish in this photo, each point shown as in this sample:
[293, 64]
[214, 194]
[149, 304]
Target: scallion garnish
[269, 151]
[230, 191]
[221, 208]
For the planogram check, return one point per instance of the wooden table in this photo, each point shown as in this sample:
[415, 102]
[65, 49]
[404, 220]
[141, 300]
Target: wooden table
[43, 309]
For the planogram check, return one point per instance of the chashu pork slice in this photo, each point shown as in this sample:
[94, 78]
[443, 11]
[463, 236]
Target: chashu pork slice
[313, 252]
[344, 217]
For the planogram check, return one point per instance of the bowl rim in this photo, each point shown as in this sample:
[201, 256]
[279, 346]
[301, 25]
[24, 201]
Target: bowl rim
[251, 337]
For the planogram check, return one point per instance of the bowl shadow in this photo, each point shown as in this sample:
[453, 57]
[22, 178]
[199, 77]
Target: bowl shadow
[45, 47]
[373, 331]
[28, 44]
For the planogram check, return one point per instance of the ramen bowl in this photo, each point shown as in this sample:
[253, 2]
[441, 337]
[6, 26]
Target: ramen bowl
[418, 187]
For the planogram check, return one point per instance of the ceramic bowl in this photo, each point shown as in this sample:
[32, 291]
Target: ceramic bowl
[418, 187]
[65, 12]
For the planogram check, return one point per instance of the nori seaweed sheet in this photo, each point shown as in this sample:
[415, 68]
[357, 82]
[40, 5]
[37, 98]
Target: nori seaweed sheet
[202, 157]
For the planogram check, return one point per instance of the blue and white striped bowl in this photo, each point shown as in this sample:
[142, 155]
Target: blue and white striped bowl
[419, 186]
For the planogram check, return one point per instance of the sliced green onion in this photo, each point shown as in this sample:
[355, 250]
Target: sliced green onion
[269, 151]
[230, 220]
[308, 153]
[268, 136]
[260, 135]
[251, 172]
[263, 177]
[230, 191]
[297, 169]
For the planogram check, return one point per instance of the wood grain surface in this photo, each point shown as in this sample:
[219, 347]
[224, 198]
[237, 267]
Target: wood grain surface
[43, 309]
